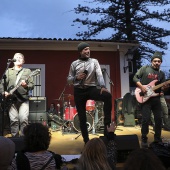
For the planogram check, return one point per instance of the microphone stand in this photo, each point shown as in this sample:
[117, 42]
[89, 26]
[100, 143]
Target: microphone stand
[112, 84]
[3, 98]
[62, 99]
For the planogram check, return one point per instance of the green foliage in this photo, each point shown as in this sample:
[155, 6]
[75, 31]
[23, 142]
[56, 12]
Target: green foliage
[128, 20]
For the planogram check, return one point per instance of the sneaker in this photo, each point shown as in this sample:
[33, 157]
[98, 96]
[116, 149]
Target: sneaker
[144, 143]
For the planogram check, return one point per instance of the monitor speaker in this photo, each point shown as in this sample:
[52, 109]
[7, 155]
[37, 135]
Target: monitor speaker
[125, 145]
[37, 104]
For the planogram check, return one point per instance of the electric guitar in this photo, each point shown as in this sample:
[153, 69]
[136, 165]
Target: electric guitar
[12, 89]
[142, 98]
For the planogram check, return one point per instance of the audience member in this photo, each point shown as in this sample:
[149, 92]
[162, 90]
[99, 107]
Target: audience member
[35, 155]
[50, 114]
[52, 110]
[54, 117]
[7, 151]
[143, 159]
[98, 154]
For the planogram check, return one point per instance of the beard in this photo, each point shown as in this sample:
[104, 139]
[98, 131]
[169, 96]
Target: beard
[85, 57]
[156, 66]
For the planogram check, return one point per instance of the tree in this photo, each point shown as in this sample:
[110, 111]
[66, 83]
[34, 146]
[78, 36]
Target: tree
[128, 20]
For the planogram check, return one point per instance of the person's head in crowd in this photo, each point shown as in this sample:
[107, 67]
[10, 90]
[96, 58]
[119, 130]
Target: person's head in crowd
[7, 151]
[37, 137]
[94, 156]
[52, 105]
[143, 159]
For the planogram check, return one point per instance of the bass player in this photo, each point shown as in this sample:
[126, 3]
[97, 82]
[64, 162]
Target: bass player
[146, 78]
[19, 108]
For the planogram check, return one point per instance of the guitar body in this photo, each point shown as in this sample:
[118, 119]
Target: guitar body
[150, 92]
[14, 94]
[11, 99]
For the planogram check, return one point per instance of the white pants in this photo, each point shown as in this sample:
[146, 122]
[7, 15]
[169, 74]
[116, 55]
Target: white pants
[18, 114]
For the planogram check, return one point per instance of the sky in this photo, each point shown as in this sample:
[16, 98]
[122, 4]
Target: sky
[47, 19]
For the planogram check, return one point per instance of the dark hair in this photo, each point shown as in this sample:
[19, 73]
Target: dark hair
[52, 104]
[143, 159]
[36, 137]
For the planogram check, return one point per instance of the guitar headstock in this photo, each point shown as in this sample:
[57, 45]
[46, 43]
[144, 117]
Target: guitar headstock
[35, 72]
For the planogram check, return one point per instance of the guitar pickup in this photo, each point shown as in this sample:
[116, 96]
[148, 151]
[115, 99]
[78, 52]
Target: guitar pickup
[141, 94]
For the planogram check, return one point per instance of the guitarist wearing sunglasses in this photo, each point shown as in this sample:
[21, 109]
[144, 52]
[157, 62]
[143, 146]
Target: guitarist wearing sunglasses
[17, 103]
[150, 81]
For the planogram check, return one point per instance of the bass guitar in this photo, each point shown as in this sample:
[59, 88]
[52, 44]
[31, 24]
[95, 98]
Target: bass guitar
[9, 100]
[143, 97]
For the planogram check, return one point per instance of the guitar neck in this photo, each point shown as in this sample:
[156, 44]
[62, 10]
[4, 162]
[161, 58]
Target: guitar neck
[160, 85]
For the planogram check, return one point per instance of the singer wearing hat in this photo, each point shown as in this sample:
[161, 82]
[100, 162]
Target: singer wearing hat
[86, 75]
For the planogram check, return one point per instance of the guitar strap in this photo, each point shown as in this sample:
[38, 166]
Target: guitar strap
[19, 76]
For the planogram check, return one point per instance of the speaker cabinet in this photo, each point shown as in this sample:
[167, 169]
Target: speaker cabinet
[118, 111]
[129, 120]
[125, 145]
[127, 142]
[37, 117]
[37, 104]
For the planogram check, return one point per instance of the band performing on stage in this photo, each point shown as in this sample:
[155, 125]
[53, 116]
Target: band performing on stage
[89, 108]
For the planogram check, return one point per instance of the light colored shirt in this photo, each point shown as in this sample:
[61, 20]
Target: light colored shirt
[94, 74]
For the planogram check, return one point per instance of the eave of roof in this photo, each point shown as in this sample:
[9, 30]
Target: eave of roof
[64, 44]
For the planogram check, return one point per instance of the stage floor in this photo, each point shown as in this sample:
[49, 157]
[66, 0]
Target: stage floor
[67, 144]
[71, 143]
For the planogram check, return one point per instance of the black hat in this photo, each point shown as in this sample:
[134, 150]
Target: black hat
[82, 45]
[157, 54]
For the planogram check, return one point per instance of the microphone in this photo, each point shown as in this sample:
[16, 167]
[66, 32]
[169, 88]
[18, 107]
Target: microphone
[12, 60]
[82, 81]
[103, 69]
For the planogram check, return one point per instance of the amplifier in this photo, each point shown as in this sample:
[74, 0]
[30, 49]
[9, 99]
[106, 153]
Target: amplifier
[37, 104]
[37, 117]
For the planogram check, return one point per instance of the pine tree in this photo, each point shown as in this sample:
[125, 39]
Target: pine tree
[129, 20]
